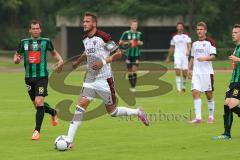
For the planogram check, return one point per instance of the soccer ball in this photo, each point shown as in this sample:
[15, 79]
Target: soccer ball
[61, 143]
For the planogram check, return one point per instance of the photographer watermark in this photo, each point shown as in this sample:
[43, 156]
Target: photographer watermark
[150, 75]
[160, 116]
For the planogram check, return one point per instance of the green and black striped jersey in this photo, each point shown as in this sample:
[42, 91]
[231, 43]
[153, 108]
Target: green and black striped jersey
[236, 66]
[34, 52]
[129, 35]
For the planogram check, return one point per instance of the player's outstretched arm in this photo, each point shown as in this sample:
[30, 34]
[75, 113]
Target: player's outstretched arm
[17, 58]
[80, 59]
[115, 56]
[58, 57]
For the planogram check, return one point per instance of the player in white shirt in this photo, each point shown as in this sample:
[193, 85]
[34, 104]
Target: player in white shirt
[202, 54]
[98, 47]
[180, 45]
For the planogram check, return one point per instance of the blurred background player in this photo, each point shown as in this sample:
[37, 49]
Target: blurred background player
[181, 47]
[98, 80]
[232, 97]
[133, 39]
[202, 54]
[34, 52]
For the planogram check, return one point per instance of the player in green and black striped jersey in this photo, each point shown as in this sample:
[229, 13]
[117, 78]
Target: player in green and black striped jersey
[232, 98]
[34, 51]
[132, 40]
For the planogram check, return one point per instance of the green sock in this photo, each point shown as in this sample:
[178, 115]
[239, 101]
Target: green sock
[228, 119]
[49, 110]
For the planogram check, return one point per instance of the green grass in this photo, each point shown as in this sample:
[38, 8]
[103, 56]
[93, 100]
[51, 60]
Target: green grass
[223, 64]
[218, 64]
[107, 138]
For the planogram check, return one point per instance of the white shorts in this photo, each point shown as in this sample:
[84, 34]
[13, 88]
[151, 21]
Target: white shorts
[181, 63]
[103, 87]
[202, 82]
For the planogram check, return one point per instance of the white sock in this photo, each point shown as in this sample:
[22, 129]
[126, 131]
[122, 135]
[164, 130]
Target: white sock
[178, 81]
[75, 123]
[124, 111]
[211, 105]
[184, 82]
[197, 107]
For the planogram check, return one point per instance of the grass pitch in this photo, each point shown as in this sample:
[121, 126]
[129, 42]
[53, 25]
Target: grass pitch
[168, 137]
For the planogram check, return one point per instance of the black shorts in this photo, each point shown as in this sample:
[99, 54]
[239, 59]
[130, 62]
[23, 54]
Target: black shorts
[233, 91]
[37, 87]
[132, 61]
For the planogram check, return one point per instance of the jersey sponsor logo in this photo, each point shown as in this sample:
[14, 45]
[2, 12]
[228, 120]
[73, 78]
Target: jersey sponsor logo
[199, 50]
[41, 90]
[34, 57]
[91, 50]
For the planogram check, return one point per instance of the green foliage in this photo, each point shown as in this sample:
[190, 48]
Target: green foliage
[106, 138]
[12, 38]
[10, 4]
[219, 15]
[16, 15]
[134, 8]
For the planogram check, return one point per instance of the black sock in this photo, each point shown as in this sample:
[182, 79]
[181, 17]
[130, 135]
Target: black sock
[39, 117]
[236, 110]
[228, 119]
[134, 79]
[130, 78]
[49, 110]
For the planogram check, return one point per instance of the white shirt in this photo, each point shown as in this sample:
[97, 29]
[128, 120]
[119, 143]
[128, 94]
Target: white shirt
[180, 43]
[95, 51]
[203, 48]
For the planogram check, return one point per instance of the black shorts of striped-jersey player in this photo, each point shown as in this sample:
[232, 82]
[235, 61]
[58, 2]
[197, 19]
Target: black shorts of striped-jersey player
[149, 76]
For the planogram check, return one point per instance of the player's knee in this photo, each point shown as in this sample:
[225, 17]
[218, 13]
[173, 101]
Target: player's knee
[196, 94]
[232, 104]
[83, 102]
[39, 101]
[227, 100]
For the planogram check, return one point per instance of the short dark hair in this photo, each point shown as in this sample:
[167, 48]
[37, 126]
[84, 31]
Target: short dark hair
[91, 14]
[180, 23]
[203, 24]
[34, 22]
[236, 26]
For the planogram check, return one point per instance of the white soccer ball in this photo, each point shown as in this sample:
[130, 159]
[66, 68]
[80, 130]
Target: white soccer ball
[62, 143]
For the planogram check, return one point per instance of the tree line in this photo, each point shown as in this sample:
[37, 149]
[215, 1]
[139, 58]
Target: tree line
[220, 15]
